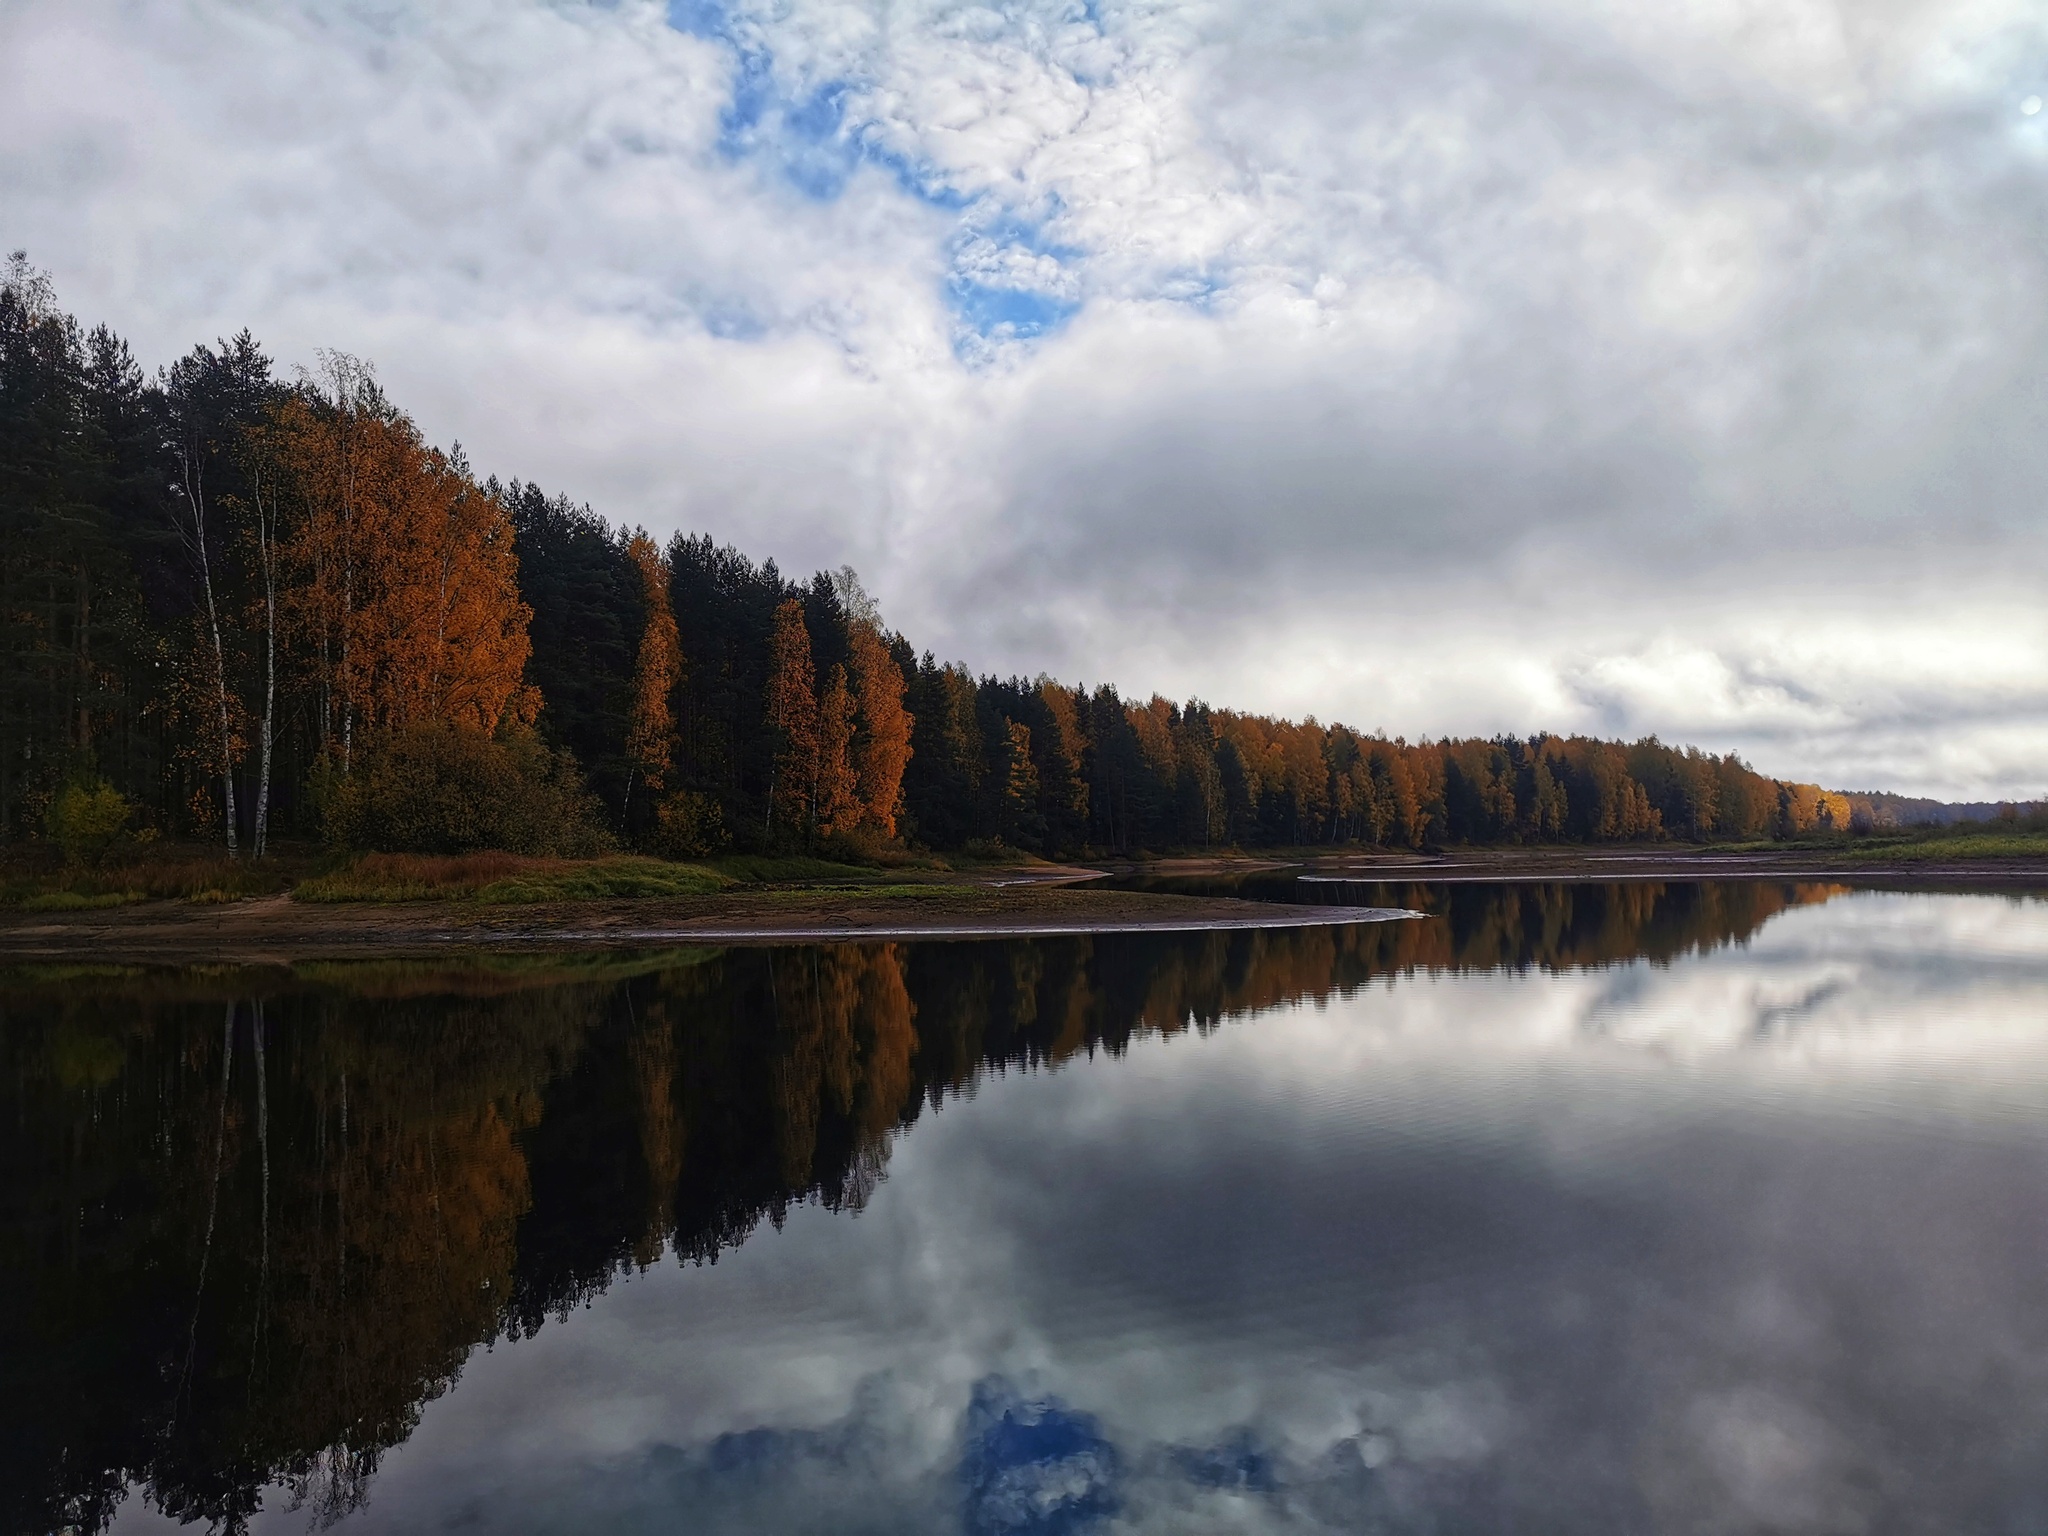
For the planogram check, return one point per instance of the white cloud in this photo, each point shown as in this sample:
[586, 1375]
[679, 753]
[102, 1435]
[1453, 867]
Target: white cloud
[1576, 364]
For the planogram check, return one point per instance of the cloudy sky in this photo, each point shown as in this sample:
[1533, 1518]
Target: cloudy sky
[1469, 366]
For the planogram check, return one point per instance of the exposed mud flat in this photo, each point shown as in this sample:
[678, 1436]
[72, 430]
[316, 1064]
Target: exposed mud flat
[1495, 864]
[278, 928]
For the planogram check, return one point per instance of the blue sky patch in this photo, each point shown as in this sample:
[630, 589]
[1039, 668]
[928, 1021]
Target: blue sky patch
[1008, 282]
[1033, 1468]
[1008, 314]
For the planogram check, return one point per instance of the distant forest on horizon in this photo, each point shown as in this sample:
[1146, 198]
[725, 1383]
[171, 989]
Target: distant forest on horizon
[256, 606]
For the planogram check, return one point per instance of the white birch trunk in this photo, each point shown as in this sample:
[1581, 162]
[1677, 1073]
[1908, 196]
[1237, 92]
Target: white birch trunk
[266, 544]
[195, 498]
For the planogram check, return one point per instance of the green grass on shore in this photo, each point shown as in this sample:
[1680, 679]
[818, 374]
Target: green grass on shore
[491, 878]
[170, 875]
[78, 901]
[506, 879]
[203, 875]
[1962, 846]
[789, 869]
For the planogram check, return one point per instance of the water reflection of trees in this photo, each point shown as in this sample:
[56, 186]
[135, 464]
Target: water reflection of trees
[251, 1223]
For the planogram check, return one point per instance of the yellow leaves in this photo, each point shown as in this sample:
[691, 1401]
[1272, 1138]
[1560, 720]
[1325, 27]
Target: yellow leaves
[792, 713]
[402, 588]
[847, 1040]
[840, 755]
[881, 746]
[1804, 808]
[1060, 746]
[838, 806]
[1152, 724]
[651, 733]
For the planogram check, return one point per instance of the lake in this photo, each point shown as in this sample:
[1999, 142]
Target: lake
[1633, 1207]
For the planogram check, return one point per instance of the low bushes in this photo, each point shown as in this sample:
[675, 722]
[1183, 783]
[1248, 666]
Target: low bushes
[74, 901]
[441, 788]
[156, 873]
[87, 819]
[783, 869]
[688, 825]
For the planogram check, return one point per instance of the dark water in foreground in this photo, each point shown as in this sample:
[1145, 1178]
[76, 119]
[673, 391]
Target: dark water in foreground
[1633, 1208]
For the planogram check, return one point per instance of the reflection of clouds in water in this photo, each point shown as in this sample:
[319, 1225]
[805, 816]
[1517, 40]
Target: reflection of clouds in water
[1870, 981]
[1016, 1466]
[1031, 1467]
[1587, 1251]
[1760, 1460]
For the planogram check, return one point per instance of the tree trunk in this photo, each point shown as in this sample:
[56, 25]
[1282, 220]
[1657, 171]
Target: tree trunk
[220, 1137]
[84, 658]
[263, 1148]
[195, 497]
[266, 543]
[220, 694]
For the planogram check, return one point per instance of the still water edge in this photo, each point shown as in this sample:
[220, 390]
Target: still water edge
[1502, 1230]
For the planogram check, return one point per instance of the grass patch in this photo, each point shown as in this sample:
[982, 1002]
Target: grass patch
[1962, 841]
[70, 977]
[1964, 845]
[78, 901]
[503, 878]
[773, 869]
[606, 878]
[417, 877]
[198, 877]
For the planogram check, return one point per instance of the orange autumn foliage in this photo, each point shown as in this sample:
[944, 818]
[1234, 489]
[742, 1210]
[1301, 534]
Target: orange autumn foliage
[658, 668]
[792, 714]
[406, 600]
[881, 748]
[836, 805]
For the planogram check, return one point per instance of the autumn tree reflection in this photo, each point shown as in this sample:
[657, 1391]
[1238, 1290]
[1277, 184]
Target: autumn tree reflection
[250, 1224]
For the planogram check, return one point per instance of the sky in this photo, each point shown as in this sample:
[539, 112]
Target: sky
[1471, 366]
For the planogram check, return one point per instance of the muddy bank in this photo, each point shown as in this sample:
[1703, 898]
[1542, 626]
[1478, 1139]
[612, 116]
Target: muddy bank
[1549, 864]
[279, 929]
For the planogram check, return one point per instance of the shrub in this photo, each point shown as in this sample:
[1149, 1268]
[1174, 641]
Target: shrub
[439, 787]
[505, 878]
[416, 876]
[605, 878]
[73, 901]
[688, 825]
[87, 819]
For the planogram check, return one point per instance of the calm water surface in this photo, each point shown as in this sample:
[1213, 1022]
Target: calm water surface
[1632, 1208]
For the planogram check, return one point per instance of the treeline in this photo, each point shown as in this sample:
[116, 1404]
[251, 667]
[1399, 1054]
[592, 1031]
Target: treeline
[236, 605]
[1881, 808]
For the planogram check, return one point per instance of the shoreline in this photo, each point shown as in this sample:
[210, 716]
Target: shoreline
[1044, 901]
[277, 928]
[1544, 865]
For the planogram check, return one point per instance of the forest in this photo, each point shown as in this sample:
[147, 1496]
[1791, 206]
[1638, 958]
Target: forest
[239, 605]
